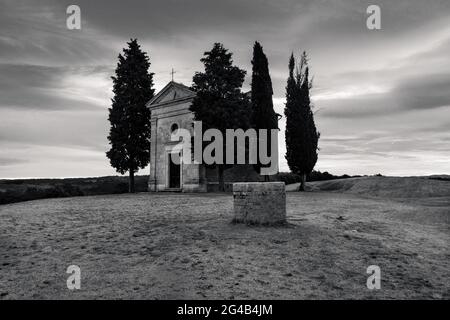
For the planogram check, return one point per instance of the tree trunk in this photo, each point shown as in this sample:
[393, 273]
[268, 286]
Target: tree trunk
[302, 182]
[131, 182]
[220, 170]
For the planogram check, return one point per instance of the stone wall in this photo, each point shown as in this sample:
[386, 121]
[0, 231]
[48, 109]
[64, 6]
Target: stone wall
[259, 203]
[237, 173]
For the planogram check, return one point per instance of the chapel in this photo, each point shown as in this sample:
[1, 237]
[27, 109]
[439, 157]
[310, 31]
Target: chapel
[170, 111]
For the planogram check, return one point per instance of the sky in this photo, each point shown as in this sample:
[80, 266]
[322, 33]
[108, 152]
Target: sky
[381, 97]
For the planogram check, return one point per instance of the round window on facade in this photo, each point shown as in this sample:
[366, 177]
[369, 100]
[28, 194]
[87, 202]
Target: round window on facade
[174, 128]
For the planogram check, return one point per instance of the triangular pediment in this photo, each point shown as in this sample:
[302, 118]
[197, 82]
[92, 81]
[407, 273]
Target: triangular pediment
[171, 92]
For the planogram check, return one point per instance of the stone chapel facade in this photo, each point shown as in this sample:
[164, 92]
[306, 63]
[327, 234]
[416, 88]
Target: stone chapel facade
[170, 111]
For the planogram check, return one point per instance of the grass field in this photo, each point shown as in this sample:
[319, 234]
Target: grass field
[170, 246]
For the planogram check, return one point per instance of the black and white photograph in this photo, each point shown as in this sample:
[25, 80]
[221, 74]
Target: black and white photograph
[243, 151]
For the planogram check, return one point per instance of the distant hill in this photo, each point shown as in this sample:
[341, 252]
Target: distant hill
[380, 186]
[32, 189]
[444, 177]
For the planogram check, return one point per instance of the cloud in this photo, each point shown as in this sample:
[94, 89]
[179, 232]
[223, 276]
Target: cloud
[53, 161]
[431, 91]
[417, 81]
[54, 88]
[86, 130]
[6, 161]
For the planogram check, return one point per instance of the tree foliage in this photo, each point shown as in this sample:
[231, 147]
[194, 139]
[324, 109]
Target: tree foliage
[219, 101]
[301, 134]
[129, 134]
[263, 114]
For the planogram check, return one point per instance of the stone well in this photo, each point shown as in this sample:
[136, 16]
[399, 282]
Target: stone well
[259, 203]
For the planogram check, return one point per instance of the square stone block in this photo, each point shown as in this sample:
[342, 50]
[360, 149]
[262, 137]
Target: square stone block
[259, 203]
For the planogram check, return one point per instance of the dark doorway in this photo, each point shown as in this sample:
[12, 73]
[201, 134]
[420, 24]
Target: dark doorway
[174, 171]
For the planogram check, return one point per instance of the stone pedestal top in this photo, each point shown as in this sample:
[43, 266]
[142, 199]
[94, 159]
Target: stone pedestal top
[258, 186]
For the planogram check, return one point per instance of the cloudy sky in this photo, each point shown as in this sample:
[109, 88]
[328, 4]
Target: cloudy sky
[382, 100]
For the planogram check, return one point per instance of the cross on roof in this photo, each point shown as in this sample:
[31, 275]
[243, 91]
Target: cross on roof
[172, 73]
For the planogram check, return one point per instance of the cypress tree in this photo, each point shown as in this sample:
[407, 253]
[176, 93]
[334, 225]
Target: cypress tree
[263, 115]
[301, 134]
[129, 134]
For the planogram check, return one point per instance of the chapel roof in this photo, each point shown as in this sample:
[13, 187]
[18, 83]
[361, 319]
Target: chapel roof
[172, 92]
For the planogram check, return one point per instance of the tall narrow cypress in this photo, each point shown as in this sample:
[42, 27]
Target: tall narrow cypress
[263, 115]
[301, 134]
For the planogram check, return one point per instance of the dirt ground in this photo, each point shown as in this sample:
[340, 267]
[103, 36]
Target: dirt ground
[183, 246]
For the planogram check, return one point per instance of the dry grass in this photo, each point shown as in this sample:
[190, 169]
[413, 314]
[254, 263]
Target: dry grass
[386, 187]
[167, 246]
